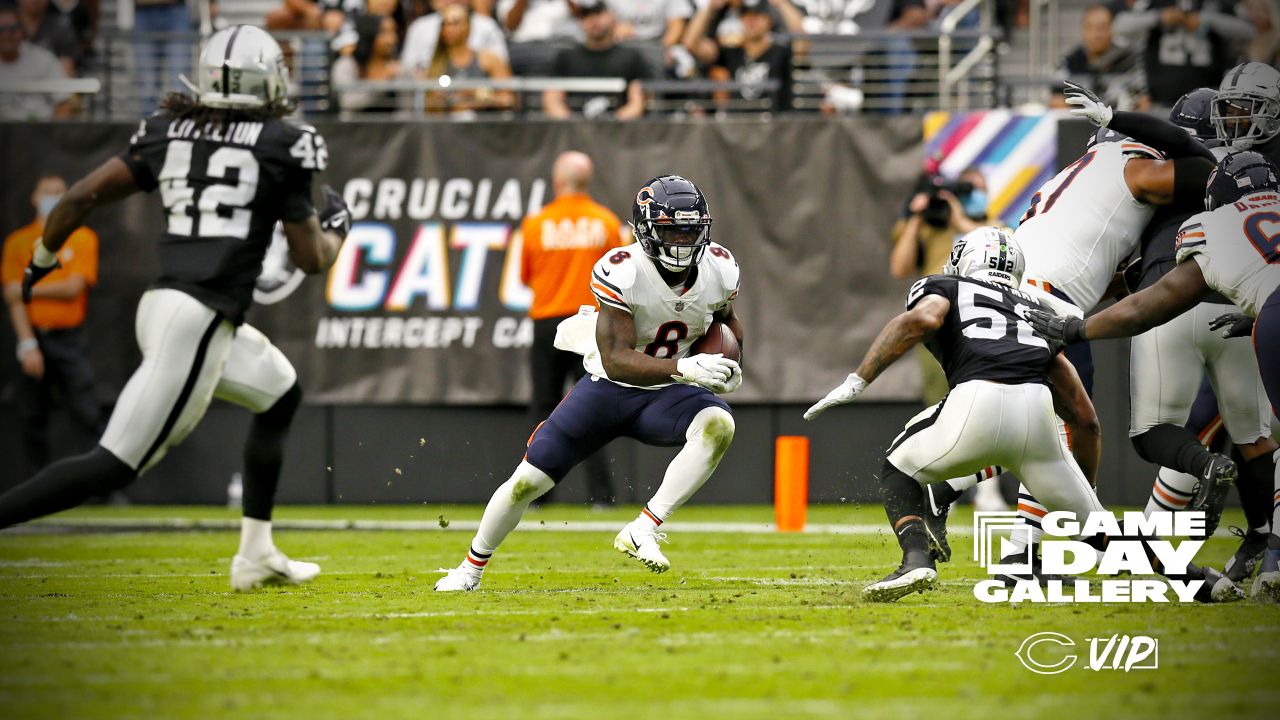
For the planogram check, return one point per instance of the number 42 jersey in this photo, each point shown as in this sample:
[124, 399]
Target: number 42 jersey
[984, 336]
[223, 188]
[667, 321]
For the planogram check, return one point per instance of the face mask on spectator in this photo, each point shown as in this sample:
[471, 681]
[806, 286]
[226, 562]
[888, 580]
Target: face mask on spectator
[975, 204]
[46, 205]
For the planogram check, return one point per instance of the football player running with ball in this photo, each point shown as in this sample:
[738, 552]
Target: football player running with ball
[228, 168]
[1008, 387]
[642, 381]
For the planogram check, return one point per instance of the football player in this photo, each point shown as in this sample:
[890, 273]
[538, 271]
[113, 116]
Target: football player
[641, 381]
[1008, 387]
[1168, 361]
[228, 167]
[1233, 248]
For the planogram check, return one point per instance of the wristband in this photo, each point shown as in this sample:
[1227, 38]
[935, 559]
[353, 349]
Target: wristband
[42, 258]
[27, 346]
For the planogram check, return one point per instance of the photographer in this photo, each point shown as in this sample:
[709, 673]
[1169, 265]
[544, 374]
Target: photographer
[938, 213]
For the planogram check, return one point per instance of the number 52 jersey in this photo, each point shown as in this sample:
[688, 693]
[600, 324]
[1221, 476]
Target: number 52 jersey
[667, 321]
[984, 336]
[223, 188]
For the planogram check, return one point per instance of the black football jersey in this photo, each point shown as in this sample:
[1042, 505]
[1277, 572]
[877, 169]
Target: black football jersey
[223, 189]
[984, 336]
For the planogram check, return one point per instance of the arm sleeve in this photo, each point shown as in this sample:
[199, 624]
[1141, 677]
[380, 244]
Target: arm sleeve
[1190, 177]
[1135, 23]
[1191, 240]
[141, 145]
[1162, 135]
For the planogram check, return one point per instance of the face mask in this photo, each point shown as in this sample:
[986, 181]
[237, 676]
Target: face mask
[975, 205]
[46, 204]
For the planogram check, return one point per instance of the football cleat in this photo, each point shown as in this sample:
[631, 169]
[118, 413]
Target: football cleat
[274, 569]
[1218, 588]
[915, 574]
[1266, 588]
[464, 578]
[935, 526]
[1035, 572]
[1245, 561]
[641, 543]
[1210, 493]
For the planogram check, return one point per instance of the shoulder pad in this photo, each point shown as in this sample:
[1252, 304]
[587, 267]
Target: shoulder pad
[1191, 238]
[613, 276]
[930, 285]
[726, 266]
[151, 129]
[306, 146]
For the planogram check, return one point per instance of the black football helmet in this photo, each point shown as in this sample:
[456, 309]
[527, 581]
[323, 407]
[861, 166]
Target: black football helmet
[1193, 112]
[672, 222]
[1239, 174]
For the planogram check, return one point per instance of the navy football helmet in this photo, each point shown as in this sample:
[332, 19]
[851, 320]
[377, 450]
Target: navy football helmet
[1104, 135]
[672, 222]
[1239, 174]
[1193, 112]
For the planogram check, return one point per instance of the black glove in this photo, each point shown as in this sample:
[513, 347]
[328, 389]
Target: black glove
[1234, 325]
[32, 275]
[335, 216]
[1056, 329]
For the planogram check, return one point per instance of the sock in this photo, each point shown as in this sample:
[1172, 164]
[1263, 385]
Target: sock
[1274, 541]
[1171, 492]
[913, 539]
[264, 454]
[255, 538]
[1174, 447]
[505, 509]
[988, 490]
[64, 485]
[1026, 530]
[648, 517]
[961, 484]
[1255, 484]
[706, 441]
[902, 495]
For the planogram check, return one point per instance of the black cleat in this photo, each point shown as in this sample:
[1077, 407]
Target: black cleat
[1242, 564]
[915, 574]
[935, 520]
[1210, 493]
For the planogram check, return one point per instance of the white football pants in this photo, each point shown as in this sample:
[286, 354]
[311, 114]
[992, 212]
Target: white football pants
[190, 354]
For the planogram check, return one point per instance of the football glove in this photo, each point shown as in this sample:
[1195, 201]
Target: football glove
[1233, 325]
[709, 371]
[42, 263]
[845, 392]
[1057, 329]
[734, 382]
[335, 217]
[1084, 103]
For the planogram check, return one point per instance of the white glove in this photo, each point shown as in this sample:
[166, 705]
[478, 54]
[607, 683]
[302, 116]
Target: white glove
[709, 371]
[1084, 103]
[845, 392]
[733, 383]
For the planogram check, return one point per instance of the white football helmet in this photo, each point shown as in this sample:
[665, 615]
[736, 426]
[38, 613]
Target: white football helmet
[989, 254]
[241, 67]
[1246, 111]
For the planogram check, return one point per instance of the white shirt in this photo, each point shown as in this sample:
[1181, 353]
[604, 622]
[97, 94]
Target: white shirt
[1085, 224]
[542, 20]
[33, 63]
[1230, 246]
[421, 37]
[667, 322]
[650, 17]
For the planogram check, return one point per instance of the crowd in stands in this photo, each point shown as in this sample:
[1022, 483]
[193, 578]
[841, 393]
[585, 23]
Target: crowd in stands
[1137, 54]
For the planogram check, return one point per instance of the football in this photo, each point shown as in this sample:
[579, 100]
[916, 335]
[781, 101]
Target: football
[719, 339]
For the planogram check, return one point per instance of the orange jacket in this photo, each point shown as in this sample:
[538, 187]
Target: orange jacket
[561, 243]
[79, 256]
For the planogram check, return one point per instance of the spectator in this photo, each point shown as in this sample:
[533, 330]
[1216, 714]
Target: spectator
[326, 15]
[1264, 15]
[20, 61]
[538, 20]
[374, 58]
[759, 58]
[53, 348]
[455, 59]
[1188, 43]
[346, 39]
[598, 56]
[1113, 71]
[423, 34]
[82, 16]
[50, 31]
[845, 17]
[159, 60]
[560, 245]
[718, 24]
[663, 20]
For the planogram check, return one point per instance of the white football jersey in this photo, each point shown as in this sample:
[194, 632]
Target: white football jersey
[667, 321]
[1084, 223]
[1237, 247]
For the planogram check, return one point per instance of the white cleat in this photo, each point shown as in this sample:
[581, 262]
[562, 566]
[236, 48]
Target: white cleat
[1266, 588]
[463, 578]
[901, 583]
[641, 543]
[273, 569]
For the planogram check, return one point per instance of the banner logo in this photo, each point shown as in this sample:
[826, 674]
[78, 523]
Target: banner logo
[1044, 653]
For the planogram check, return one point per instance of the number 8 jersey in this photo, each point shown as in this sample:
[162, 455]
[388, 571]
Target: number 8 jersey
[667, 321]
[223, 188]
[984, 336]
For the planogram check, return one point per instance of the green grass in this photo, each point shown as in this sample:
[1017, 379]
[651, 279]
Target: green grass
[143, 625]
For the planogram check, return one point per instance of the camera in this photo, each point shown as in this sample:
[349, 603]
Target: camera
[938, 212]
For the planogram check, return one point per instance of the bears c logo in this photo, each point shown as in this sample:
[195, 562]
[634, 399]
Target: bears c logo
[645, 196]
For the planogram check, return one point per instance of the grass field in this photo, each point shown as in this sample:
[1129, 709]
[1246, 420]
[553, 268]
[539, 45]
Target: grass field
[746, 625]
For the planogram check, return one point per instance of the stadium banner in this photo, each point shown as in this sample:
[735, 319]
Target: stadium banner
[425, 303]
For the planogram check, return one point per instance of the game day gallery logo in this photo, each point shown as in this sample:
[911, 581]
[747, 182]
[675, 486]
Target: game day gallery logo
[1124, 571]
